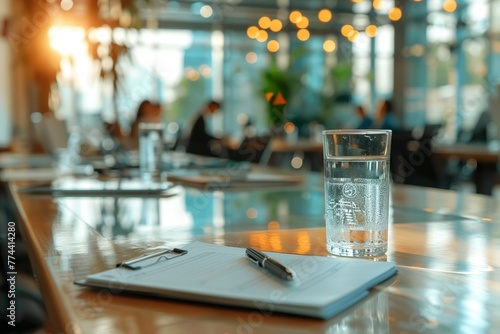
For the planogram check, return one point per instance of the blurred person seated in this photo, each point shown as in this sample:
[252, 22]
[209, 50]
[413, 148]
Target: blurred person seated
[366, 121]
[385, 117]
[148, 112]
[478, 133]
[199, 140]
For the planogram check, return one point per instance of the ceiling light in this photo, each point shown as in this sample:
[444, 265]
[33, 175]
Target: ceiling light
[371, 30]
[303, 35]
[329, 45]
[276, 25]
[273, 46]
[294, 16]
[206, 11]
[302, 22]
[395, 14]
[325, 15]
[264, 22]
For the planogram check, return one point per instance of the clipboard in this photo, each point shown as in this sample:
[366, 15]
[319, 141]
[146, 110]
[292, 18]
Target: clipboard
[221, 275]
[152, 259]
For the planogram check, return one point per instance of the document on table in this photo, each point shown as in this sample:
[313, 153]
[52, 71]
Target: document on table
[223, 275]
[95, 187]
[246, 180]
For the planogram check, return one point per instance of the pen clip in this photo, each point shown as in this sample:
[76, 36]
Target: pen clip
[252, 259]
[151, 259]
[273, 266]
[254, 256]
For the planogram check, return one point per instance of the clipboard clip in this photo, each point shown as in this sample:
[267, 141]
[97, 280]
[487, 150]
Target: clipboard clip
[151, 259]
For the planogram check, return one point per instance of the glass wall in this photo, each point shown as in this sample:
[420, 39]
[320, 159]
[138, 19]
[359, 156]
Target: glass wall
[450, 77]
[322, 75]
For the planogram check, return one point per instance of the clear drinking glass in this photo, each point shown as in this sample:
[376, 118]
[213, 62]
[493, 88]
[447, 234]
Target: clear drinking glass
[357, 190]
[150, 150]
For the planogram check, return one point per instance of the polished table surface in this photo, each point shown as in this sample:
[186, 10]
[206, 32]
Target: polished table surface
[446, 246]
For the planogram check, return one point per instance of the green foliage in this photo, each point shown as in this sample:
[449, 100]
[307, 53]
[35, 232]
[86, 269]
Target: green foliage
[339, 79]
[277, 80]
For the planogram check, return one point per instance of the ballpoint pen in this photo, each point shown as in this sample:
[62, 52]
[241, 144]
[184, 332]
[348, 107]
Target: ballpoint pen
[270, 264]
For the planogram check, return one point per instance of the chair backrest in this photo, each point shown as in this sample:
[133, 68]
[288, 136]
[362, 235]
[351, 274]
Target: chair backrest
[52, 133]
[412, 159]
[252, 149]
[495, 113]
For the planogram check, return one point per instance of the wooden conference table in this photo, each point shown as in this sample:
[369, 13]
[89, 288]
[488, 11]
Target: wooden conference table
[446, 246]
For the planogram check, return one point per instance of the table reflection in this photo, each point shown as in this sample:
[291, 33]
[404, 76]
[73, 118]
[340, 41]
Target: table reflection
[189, 212]
[195, 212]
[372, 316]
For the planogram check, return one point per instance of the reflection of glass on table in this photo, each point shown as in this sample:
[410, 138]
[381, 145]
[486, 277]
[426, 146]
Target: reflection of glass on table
[369, 316]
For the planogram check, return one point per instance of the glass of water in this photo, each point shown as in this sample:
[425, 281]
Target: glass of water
[150, 150]
[357, 191]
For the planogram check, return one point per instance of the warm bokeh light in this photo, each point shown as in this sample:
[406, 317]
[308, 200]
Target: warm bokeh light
[252, 213]
[303, 35]
[273, 225]
[206, 11]
[276, 25]
[252, 32]
[297, 162]
[495, 46]
[329, 45]
[242, 118]
[377, 4]
[275, 242]
[251, 57]
[449, 6]
[395, 14]
[66, 4]
[353, 35]
[480, 69]
[417, 50]
[346, 30]
[264, 22]
[289, 127]
[371, 30]
[303, 242]
[295, 16]
[192, 74]
[67, 40]
[325, 15]
[262, 36]
[205, 70]
[303, 22]
[125, 19]
[173, 127]
[273, 46]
